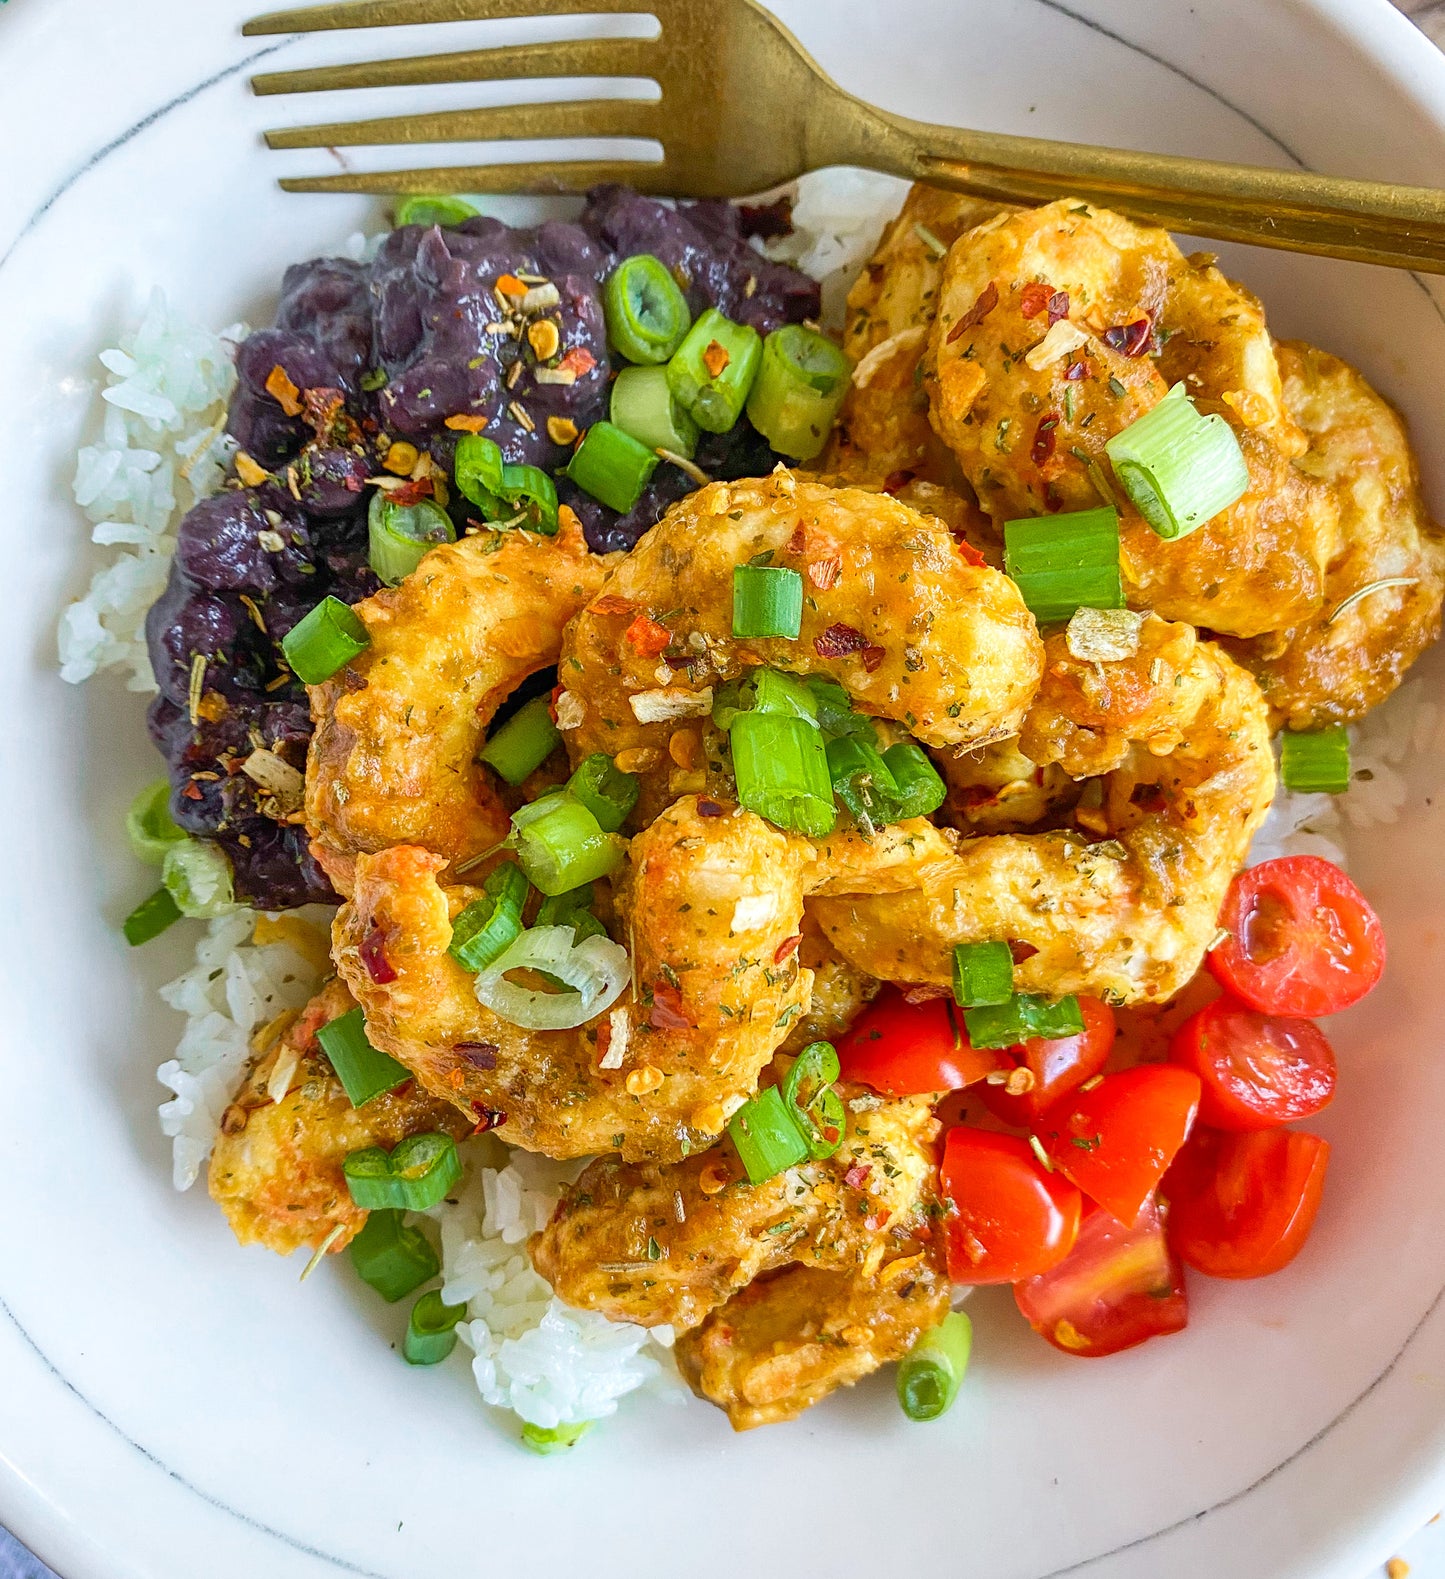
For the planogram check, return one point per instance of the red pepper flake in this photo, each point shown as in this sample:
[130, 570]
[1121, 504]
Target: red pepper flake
[709, 808]
[924, 992]
[838, 641]
[326, 409]
[467, 421]
[715, 359]
[1044, 438]
[1130, 339]
[411, 491]
[1058, 305]
[857, 1176]
[987, 301]
[480, 1055]
[610, 603]
[971, 555]
[557, 690]
[487, 1118]
[824, 573]
[192, 792]
[1021, 951]
[1148, 798]
[578, 360]
[286, 394]
[352, 484]
[896, 482]
[1035, 298]
[877, 1221]
[786, 947]
[798, 541]
[604, 1037]
[373, 956]
[1077, 370]
[647, 637]
[667, 1011]
[872, 657]
[510, 285]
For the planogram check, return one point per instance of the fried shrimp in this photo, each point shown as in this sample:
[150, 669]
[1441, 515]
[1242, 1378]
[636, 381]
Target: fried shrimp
[1183, 736]
[1384, 583]
[883, 429]
[848, 1212]
[1060, 326]
[276, 1168]
[712, 905]
[393, 758]
[893, 610]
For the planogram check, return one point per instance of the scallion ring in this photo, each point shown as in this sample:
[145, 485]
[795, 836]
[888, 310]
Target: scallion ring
[596, 969]
[767, 601]
[647, 314]
[1315, 763]
[555, 1439]
[522, 744]
[150, 918]
[1021, 1019]
[983, 974]
[399, 536]
[781, 767]
[363, 1070]
[392, 1258]
[919, 788]
[713, 369]
[561, 845]
[1067, 562]
[149, 825]
[612, 466]
[605, 790]
[809, 1094]
[1179, 468]
[645, 408]
[802, 379]
[489, 926]
[767, 1136]
[197, 875]
[931, 1373]
[322, 641]
[417, 1173]
[431, 1329]
[430, 209]
[863, 782]
[764, 691]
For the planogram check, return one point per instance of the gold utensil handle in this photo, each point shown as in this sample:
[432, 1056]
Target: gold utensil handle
[1370, 221]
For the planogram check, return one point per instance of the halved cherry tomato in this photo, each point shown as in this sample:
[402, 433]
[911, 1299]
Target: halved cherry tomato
[1011, 1219]
[902, 1048]
[1057, 1066]
[1115, 1140]
[1258, 1070]
[1117, 1287]
[1242, 1205]
[1302, 938]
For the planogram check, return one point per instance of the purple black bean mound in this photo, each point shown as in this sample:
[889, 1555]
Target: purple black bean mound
[372, 353]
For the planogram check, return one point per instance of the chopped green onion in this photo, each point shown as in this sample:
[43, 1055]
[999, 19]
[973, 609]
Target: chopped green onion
[524, 742]
[150, 918]
[564, 846]
[197, 875]
[1065, 562]
[489, 926]
[319, 644]
[363, 1070]
[713, 369]
[767, 601]
[983, 974]
[595, 969]
[644, 407]
[392, 1258]
[1021, 1019]
[433, 210]
[149, 825]
[1317, 763]
[399, 536]
[502, 491]
[920, 789]
[932, 1371]
[431, 1329]
[1180, 469]
[605, 790]
[764, 691]
[647, 314]
[414, 1176]
[767, 1136]
[836, 715]
[612, 466]
[862, 782]
[802, 379]
[557, 1438]
[572, 909]
[781, 766]
[815, 1105]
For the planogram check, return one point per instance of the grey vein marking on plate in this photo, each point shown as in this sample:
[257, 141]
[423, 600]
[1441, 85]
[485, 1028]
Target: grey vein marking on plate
[144, 124]
[175, 1475]
[1196, 82]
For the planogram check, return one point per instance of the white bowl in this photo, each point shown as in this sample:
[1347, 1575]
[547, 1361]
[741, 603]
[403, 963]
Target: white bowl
[171, 1405]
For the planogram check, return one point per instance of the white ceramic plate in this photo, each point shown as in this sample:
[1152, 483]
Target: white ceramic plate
[171, 1405]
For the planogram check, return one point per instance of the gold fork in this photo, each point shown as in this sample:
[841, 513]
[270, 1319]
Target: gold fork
[744, 107]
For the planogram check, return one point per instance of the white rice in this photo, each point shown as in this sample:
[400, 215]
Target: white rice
[838, 216]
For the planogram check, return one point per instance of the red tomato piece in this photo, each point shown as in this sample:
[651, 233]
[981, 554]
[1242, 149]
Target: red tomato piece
[1011, 1219]
[1242, 1205]
[1257, 1070]
[1303, 939]
[1115, 1140]
[902, 1048]
[1057, 1066]
[1117, 1287]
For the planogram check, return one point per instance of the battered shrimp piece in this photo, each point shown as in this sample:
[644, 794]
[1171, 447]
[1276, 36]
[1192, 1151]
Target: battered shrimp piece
[714, 1232]
[1183, 735]
[997, 789]
[393, 757]
[276, 1169]
[1349, 656]
[711, 905]
[786, 1342]
[892, 609]
[840, 991]
[883, 428]
[1041, 353]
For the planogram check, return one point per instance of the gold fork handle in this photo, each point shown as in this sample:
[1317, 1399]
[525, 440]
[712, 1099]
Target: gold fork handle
[1298, 211]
